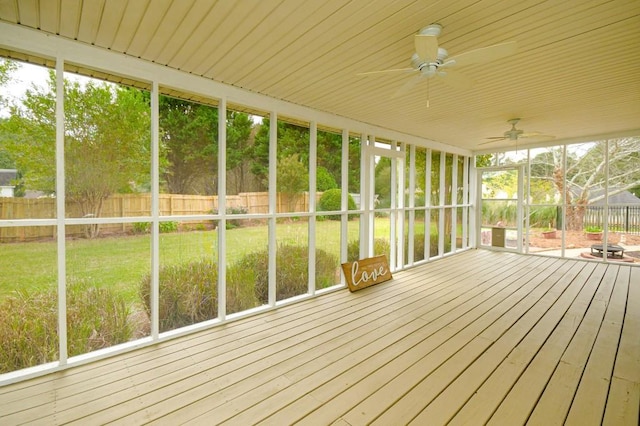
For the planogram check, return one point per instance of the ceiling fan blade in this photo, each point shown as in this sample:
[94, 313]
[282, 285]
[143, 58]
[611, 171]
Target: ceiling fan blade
[397, 70]
[486, 54]
[407, 87]
[426, 46]
[456, 80]
[493, 140]
[537, 136]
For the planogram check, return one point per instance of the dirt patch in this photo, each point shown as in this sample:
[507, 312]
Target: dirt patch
[578, 239]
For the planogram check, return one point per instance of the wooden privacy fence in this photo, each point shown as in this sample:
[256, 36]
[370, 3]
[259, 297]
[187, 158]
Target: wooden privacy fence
[135, 205]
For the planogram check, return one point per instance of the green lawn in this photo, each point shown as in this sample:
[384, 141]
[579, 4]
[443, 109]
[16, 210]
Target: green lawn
[122, 261]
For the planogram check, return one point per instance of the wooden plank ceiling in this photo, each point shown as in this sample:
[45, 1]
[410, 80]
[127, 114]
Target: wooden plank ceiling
[575, 74]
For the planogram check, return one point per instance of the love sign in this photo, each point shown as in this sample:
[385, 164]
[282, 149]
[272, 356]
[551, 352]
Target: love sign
[364, 273]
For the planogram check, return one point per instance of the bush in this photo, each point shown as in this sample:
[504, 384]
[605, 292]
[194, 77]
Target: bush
[96, 318]
[141, 227]
[331, 200]
[418, 246]
[380, 246]
[169, 226]
[188, 293]
[292, 271]
[325, 180]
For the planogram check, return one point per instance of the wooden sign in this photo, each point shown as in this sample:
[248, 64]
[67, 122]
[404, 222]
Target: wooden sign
[364, 273]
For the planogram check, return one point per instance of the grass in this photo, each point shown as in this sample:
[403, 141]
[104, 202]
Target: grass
[122, 262]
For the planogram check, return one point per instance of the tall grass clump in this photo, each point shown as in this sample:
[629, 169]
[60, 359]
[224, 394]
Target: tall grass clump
[418, 246]
[380, 246]
[188, 293]
[292, 271]
[96, 318]
[28, 330]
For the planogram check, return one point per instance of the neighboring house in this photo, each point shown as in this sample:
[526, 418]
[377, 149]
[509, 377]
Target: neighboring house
[7, 177]
[616, 198]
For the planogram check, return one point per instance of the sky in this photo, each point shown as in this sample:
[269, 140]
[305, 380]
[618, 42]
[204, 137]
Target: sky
[22, 79]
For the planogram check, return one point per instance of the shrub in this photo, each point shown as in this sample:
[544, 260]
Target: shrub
[96, 318]
[169, 226]
[241, 294]
[331, 200]
[235, 223]
[28, 330]
[380, 246]
[232, 223]
[325, 180]
[141, 227]
[418, 246]
[292, 271]
[188, 293]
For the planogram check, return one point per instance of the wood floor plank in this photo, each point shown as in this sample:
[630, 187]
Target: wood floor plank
[436, 322]
[485, 394]
[511, 352]
[462, 338]
[416, 381]
[155, 399]
[554, 403]
[219, 347]
[589, 311]
[591, 397]
[622, 402]
[312, 374]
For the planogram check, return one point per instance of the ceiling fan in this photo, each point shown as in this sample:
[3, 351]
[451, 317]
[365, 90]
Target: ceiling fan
[430, 60]
[514, 134]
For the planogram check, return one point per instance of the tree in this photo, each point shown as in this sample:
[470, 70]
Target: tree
[189, 134]
[6, 69]
[241, 135]
[583, 179]
[107, 141]
[292, 178]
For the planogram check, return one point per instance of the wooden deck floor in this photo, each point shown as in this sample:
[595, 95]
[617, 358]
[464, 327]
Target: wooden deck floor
[480, 337]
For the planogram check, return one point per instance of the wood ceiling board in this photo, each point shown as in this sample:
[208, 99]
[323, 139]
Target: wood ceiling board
[111, 19]
[192, 35]
[148, 26]
[234, 37]
[241, 43]
[70, 18]
[202, 39]
[133, 14]
[90, 17]
[28, 13]
[9, 11]
[167, 29]
[266, 41]
[406, 43]
[325, 41]
[50, 16]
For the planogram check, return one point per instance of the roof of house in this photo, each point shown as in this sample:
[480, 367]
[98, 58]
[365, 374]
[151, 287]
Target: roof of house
[616, 197]
[7, 176]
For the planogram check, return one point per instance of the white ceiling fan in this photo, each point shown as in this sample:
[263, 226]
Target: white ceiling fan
[514, 134]
[430, 60]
